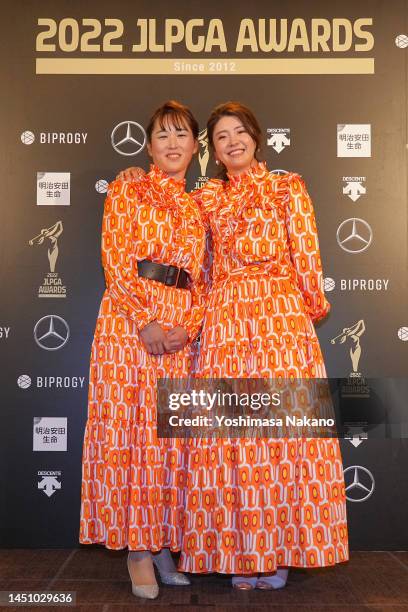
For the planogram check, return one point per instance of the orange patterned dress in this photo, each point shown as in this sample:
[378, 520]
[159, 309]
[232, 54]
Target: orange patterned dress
[255, 504]
[133, 483]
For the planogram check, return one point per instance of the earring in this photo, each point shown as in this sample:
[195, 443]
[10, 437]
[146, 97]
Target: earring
[217, 161]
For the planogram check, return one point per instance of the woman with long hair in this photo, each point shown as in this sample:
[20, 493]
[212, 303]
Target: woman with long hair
[133, 482]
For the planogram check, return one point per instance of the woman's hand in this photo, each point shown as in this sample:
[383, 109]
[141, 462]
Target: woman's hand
[131, 174]
[154, 338]
[176, 339]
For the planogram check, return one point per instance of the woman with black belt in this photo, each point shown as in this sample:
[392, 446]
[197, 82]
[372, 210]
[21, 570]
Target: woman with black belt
[152, 252]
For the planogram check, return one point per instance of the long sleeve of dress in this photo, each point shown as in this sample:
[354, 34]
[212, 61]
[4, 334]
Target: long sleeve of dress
[193, 319]
[304, 247]
[199, 290]
[118, 258]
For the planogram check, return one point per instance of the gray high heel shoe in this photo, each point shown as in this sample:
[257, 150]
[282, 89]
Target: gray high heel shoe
[147, 591]
[171, 578]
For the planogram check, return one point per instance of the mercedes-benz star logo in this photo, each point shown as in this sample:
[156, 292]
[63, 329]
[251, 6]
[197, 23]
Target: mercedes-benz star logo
[354, 235]
[128, 138]
[51, 332]
[359, 483]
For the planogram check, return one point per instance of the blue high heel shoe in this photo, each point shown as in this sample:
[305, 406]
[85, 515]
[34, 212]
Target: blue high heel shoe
[277, 581]
[173, 578]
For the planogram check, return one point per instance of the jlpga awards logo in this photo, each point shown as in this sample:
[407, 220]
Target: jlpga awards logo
[52, 285]
[203, 158]
[350, 337]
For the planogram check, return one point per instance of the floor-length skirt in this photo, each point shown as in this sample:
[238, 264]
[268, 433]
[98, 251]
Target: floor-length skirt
[254, 504]
[133, 482]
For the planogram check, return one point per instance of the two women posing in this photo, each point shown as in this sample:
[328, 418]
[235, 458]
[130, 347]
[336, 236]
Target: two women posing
[248, 507]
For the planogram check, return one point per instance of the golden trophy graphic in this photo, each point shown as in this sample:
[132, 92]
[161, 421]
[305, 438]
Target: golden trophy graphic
[354, 333]
[204, 155]
[52, 233]
[52, 286]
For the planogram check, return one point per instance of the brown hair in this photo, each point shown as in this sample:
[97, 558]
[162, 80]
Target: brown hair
[244, 114]
[179, 114]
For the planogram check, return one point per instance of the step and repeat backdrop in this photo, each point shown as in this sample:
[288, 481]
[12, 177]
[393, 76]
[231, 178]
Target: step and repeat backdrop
[80, 80]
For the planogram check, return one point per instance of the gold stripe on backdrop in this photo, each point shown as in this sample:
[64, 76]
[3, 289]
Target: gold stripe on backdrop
[204, 66]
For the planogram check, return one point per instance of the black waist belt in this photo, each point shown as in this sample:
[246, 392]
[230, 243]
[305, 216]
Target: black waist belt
[168, 275]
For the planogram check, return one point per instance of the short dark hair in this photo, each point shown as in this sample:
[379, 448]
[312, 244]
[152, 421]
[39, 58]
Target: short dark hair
[180, 114]
[242, 112]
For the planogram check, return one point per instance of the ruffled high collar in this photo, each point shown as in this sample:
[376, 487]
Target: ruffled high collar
[251, 188]
[255, 172]
[158, 176]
